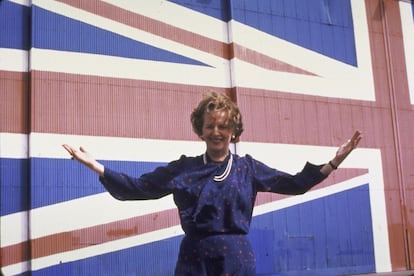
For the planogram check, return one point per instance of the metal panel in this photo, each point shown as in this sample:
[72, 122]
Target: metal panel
[290, 17]
[84, 104]
[14, 102]
[390, 61]
[14, 126]
[89, 105]
[331, 235]
[14, 26]
[322, 236]
[300, 124]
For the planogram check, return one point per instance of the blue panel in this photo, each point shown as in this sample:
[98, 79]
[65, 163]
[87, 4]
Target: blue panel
[264, 7]
[335, 14]
[215, 8]
[251, 6]
[276, 7]
[57, 180]
[289, 8]
[53, 31]
[316, 37]
[291, 32]
[327, 40]
[253, 15]
[301, 9]
[328, 236]
[304, 33]
[315, 10]
[156, 258]
[278, 25]
[14, 185]
[238, 12]
[14, 26]
[321, 19]
[339, 13]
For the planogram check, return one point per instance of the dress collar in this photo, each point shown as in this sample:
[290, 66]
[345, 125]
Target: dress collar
[223, 176]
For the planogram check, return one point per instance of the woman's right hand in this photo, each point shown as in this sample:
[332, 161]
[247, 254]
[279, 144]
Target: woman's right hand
[85, 158]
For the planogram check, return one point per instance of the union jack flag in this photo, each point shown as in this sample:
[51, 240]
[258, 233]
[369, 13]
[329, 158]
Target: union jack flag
[121, 78]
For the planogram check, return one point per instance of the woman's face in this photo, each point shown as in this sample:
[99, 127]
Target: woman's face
[217, 134]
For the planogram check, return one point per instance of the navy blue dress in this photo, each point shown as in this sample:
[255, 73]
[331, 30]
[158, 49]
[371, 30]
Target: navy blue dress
[215, 213]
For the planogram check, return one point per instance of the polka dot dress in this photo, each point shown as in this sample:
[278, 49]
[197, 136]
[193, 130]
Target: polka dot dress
[215, 203]
[216, 255]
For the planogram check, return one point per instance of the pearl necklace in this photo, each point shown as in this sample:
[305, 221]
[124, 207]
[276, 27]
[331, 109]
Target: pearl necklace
[223, 176]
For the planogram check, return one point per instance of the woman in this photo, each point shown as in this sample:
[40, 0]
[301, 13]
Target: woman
[214, 192]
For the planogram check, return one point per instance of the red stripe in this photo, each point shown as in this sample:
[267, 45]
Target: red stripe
[14, 102]
[90, 236]
[14, 254]
[97, 106]
[264, 61]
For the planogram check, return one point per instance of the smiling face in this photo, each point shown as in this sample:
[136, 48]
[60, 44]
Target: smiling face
[217, 133]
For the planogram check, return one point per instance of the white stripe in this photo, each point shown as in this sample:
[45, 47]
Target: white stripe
[407, 24]
[14, 228]
[14, 60]
[364, 73]
[22, 2]
[86, 209]
[127, 68]
[348, 83]
[13, 145]
[15, 269]
[379, 214]
[177, 16]
[114, 148]
[333, 78]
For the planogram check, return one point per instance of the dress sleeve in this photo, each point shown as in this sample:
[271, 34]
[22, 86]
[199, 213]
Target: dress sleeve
[153, 185]
[267, 179]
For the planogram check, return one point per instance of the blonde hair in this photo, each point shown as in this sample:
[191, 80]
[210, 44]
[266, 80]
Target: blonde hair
[212, 102]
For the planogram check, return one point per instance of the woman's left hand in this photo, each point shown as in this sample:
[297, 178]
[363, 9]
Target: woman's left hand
[345, 149]
[342, 153]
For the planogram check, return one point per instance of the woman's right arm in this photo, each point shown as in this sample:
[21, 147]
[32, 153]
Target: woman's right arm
[151, 185]
[85, 158]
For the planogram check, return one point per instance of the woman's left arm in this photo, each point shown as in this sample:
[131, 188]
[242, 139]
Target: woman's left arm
[342, 152]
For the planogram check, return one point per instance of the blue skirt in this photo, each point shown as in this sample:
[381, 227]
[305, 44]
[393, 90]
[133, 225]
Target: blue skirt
[216, 255]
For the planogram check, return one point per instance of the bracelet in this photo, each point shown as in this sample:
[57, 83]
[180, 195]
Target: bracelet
[332, 165]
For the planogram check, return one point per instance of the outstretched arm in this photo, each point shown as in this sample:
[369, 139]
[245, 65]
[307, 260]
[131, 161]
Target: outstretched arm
[342, 152]
[85, 158]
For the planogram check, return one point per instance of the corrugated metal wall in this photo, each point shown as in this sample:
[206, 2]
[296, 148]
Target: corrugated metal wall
[121, 79]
